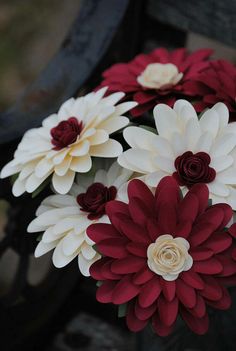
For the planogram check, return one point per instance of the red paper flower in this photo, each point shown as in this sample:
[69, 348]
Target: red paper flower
[164, 256]
[159, 77]
[216, 83]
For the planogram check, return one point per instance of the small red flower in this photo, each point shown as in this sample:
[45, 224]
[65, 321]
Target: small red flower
[216, 83]
[95, 199]
[149, 83]
[66, 133]
[132, 262]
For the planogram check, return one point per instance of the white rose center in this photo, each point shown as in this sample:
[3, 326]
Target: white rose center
[159, 76]
[169, 256]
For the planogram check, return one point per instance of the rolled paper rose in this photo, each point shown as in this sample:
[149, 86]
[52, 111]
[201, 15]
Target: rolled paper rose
[165, 256]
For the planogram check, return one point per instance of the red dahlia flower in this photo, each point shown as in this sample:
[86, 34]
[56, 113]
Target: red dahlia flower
[164, 256]
[216, 83]
[158, 77]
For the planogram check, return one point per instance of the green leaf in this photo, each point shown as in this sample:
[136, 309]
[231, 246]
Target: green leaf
[13, 178]
[39, 238]
[99, 283]
[209, 202]
[122, 310]
[150, 129]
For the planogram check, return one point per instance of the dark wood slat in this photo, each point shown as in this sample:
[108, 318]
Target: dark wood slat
[80, 53]
[212, 18]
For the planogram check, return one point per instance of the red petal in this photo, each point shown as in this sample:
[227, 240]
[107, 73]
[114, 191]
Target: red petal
[168, 310]
[105, 291]
[129, 264]
[214, 216]
[144, 313]
[183, 229]
[228, 213]
[167, 191]
[168, 289]
[137, 249]
[139, 211]
[212, 290]
[134, 232]
[199, 309]
[150, 292]
[197, 325]
[124, 291]
[210, 266]
[153, 229]
[107, 273]
[232, 230]
[159, 327]
[192, 279]
[116, 206]
[201, 253]
[143, 276]
[218, 242]
[202, 192]
[167, 217]
[229, 266]
[101, 231]
[96, 268]
[160, 55]
[133, 323]
[224, 303]
[200, 233]
[114, 248]
[188, 208]
[185, 294]
[139, 189]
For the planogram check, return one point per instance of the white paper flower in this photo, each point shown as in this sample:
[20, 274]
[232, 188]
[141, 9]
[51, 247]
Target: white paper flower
[67, 140]
[65, 218]
[192, 150]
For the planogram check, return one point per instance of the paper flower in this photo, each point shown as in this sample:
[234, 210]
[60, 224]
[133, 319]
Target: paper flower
[165, 256]
[65, 218]
[216, 83]
[192, 150]
[160, 76]
[67, 140]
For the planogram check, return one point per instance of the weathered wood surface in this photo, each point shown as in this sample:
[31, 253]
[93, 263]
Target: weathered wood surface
[212, 18]
[81, 52]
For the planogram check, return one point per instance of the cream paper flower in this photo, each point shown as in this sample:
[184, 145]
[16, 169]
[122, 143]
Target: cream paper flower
[67, 140]
[192, 150]
[65, 218]
[160, 76]
[169, 256]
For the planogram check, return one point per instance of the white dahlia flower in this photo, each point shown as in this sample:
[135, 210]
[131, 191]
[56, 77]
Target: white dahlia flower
[65, 218]
[192, 150]
[67, 140]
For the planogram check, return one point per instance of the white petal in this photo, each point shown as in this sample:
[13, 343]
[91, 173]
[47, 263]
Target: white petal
[43, 167]
[154, 178]
[33, 182]
[138, 137]
[184, 110]
[178, 144]
[204, 142]
[223, 113]
[100, 137]
[111, 148]
[59, 258]
[164, 164]
[218, 188]
[51, 121]
[81, 164]
[124, 107]
[137, 160]
[49, 236]
[42, 248]
[28, 169]
[65, 225]
[222, 162]
[162, 147]
[101, 177]
[84, 265]
[80, 149]
[18, 187]
[62, 184]
[72, 243]
[223, 145]
[193, 133]
[166, 120]
[65, 109]
[60, 155]
[60, 201]
[87, 251]
[113, 98]
[209, 122]
[9, 169]
[111, 125]
[62, 168]
[228, 176]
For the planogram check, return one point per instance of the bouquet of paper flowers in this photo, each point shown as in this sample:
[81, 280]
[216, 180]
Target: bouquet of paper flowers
[143, 181]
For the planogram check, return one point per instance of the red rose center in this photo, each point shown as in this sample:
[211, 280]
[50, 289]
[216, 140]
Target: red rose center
[65, 133]
[193, 168]
[95, 199]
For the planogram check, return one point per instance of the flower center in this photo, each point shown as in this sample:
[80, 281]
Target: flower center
[193, 168]
[159, 76]
[169, 256]
[95, 199]
[66, 133]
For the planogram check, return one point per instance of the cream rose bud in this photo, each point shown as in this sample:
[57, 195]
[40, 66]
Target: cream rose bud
[169, 256]
[159, 76]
